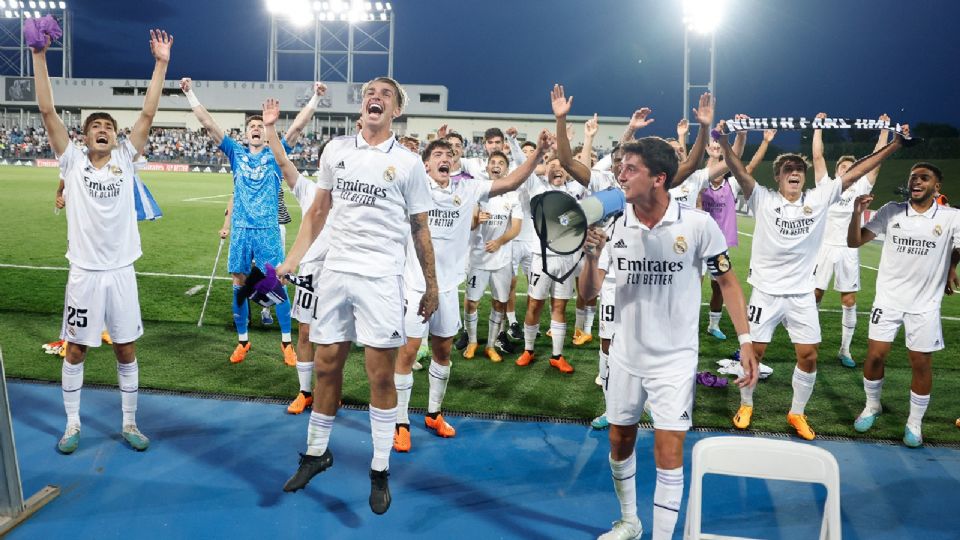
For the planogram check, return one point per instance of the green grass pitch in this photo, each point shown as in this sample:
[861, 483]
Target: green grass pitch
[174, 354]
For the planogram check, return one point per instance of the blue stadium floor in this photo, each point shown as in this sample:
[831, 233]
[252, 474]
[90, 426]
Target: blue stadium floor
[216, 467]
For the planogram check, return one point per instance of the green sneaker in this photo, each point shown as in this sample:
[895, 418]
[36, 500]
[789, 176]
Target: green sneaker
[137, 440]
[70, 440]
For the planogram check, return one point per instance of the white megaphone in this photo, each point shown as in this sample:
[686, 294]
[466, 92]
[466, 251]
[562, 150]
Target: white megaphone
[561, 221]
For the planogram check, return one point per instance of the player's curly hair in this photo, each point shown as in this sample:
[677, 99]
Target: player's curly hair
[793, 158]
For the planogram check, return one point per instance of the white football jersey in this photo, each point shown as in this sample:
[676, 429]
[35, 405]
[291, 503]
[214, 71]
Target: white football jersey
[503, 209]
[838, 215]
[916, 251]
[375, 189]
[305, 191]
[687, 191]
[787, 236]
[658, 288]
[102, 229]
[450, 221]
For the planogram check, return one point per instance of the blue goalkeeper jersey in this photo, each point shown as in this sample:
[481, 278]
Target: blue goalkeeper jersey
[256, 185]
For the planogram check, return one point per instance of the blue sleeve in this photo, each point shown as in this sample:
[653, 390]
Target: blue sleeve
[286, 146]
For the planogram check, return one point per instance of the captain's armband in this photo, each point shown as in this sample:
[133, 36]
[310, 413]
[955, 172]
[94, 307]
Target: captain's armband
[719, 264]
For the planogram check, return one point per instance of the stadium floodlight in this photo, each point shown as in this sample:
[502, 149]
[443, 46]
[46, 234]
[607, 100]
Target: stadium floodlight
[63, 5]
[3, 4]
[703, 16]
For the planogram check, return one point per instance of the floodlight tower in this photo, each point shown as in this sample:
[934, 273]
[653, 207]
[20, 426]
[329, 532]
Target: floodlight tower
[14, 52]
[701, 19]
[335, 34]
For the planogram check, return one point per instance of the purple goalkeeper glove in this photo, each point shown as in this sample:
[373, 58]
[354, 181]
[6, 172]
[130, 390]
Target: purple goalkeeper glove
[35, 31]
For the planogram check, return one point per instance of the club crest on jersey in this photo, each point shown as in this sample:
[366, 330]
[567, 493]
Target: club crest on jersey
[115, 170]
[458, 202]
[680, 245]
[937, 230]
[807, 210]
[390, 173]
[685, 189]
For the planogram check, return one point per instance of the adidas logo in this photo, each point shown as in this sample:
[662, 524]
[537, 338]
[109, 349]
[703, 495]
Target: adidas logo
[341, 165]
[620, 244]
[395, 333]
[684, 416]
[895, 226]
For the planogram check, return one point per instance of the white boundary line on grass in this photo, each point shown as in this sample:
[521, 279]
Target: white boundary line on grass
[151, 274]
[203, 199]
[191, 276]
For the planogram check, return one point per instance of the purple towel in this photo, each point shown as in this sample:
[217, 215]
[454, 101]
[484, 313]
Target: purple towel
[35, 31]
[709, 379]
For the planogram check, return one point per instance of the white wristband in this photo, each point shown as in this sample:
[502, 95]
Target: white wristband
[192, 99]
[313, 101]
[744, 339]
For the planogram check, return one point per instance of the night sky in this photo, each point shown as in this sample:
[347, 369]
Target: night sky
[850, 58]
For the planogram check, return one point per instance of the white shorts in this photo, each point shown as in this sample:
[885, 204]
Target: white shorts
[521, 254]
[101, 299]
[351, 307]
[841, 263]
[445, 321]
[542, 286]
[670, 397]
[499, 281]
[924, 333]
[305, 298]
[797, 312]
[607, 309]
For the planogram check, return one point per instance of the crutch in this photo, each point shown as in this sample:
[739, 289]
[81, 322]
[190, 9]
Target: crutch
[210, 284]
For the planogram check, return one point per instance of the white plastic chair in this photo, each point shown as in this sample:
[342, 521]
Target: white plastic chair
[767, 459]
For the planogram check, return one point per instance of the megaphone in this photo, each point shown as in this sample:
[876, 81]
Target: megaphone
[264, 289]
[561, 221]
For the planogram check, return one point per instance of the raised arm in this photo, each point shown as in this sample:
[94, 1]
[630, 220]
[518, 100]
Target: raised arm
[638, 120]
[561, 106]
[704, 115]
[590, 128]
[683, 127]
[819, 163]
[56, 131]
[160, 44]
[856, 234]
[305, 115]
[271, 113]
[515, 150]
[768, 135]
[213, 130]
[882, 141]
[519, 175]
[746, 180]
[868, 163]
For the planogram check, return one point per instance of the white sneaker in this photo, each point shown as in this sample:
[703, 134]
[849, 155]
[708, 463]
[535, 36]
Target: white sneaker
[623, 530]
[71, 439]
[134, 438]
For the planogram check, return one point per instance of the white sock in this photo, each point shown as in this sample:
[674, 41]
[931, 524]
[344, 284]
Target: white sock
[243, 337]
[625, 485]
[802, 389]
[71, 383]
[848, 324]
[493, 327]
[404, 384]
[588, 314]
[873, 389]
[305, 376]
[471, 319]
[512, 317]
[558, 331]
[666, 502]
[918, 406]
[746, 396]
[128, 378]
[318, 433]
[604, 373]
[382, 425]
[530, 335]
[439, 375]
[578, 321]
[286, 337]
[715, 319]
